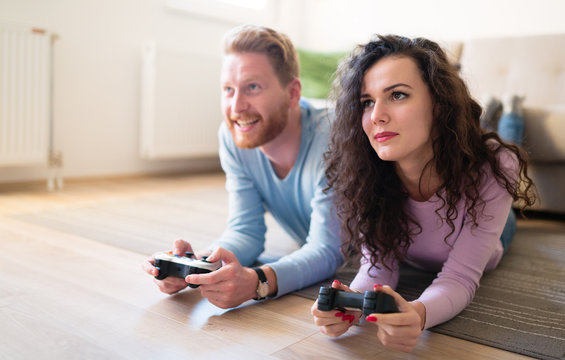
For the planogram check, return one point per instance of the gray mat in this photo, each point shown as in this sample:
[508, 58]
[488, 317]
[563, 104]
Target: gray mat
[520, 307]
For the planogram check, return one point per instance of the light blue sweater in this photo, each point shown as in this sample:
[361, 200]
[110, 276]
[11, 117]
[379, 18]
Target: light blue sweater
[297, 202]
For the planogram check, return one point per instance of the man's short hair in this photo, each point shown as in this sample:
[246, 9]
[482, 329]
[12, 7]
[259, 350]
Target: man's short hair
[276, 46]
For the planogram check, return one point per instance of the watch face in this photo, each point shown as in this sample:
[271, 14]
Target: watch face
[263, 289]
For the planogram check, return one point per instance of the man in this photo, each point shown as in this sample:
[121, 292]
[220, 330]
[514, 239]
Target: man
[271, 149]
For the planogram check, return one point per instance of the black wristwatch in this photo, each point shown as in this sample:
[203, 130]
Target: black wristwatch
[263, 286]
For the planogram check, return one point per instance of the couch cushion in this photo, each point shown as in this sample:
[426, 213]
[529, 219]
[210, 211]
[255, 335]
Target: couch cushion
[531, 65]
[544, 133]
[548, 179]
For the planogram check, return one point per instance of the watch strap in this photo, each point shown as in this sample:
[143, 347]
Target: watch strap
[261, 274]
[262, 280]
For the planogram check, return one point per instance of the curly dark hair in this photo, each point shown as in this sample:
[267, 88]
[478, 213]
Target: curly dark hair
[370, 198]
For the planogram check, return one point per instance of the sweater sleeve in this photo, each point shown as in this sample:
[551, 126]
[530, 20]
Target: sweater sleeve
[473, 249]
[245, 231]
[320, 255]
[368, 275]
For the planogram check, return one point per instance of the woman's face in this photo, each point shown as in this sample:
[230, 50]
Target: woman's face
[398, 111]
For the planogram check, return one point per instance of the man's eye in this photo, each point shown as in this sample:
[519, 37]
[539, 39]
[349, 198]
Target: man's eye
[228, 89]
[253, 87]
[397, 95]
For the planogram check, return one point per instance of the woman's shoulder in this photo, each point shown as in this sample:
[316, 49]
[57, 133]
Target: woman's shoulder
[507, 159]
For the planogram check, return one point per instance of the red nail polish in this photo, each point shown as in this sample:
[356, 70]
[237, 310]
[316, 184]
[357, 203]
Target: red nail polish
[336, 282]
[377, 286]
[371, 318]
[339, 314]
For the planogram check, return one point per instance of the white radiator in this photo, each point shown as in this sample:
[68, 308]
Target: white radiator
[180, 103]
[25, 95]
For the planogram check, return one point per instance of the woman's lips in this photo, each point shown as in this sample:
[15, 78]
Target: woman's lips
[384, 136]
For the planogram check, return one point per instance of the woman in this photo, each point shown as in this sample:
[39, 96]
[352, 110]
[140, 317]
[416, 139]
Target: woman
[417, 182]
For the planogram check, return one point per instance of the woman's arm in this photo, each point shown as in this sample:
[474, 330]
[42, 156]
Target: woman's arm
[474, 250]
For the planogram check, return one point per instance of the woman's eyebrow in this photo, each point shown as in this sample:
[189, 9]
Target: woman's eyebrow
[388, 88]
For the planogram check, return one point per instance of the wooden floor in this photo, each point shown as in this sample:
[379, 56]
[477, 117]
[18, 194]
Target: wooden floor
[64, 296]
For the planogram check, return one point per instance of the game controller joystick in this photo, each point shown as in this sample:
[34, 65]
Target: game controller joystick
[181, 266]
[371, 302]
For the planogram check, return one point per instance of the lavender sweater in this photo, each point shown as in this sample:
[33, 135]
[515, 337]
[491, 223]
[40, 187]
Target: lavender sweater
[475, 250]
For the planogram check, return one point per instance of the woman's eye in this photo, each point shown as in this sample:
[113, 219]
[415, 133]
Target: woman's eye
[397, 95]
[367, 103]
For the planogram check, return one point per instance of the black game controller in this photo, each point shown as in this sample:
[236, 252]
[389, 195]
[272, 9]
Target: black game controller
[181, 266]
[371, 302]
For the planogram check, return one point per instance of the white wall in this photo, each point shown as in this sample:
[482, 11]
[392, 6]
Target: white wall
[97, 79]
[338, 24]
[97, 61]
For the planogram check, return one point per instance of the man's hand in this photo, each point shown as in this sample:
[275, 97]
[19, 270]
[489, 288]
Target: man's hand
[335, 323]
[170, 285]
[401, 330]
[230, 285]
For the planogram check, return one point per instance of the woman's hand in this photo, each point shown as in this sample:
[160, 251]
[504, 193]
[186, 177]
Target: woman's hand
[335, 323]
[401, 330]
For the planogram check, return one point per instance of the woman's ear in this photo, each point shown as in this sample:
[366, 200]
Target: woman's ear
[435, 111]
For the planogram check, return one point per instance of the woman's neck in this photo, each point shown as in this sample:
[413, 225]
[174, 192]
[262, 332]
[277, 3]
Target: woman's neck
[420, 181]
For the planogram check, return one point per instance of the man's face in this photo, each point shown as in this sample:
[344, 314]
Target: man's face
[254, 103]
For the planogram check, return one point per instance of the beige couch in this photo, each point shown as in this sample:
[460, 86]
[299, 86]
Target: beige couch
[533, 66]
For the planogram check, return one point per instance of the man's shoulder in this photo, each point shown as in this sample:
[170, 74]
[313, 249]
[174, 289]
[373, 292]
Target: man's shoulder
[223, 132]
[317, 128]
[319, 114]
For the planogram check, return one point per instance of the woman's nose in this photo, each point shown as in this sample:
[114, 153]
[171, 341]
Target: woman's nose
[379, 113]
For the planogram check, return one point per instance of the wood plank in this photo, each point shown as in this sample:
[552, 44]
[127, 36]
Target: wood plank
[79, 290]
[361, 343]
[66, 296]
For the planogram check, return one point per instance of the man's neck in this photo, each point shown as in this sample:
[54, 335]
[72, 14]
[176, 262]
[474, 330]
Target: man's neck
[283, 150]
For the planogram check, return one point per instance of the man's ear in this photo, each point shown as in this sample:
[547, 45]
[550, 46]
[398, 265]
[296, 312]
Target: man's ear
[294, 88]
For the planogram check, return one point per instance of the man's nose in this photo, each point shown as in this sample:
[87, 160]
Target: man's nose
[239, 103]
